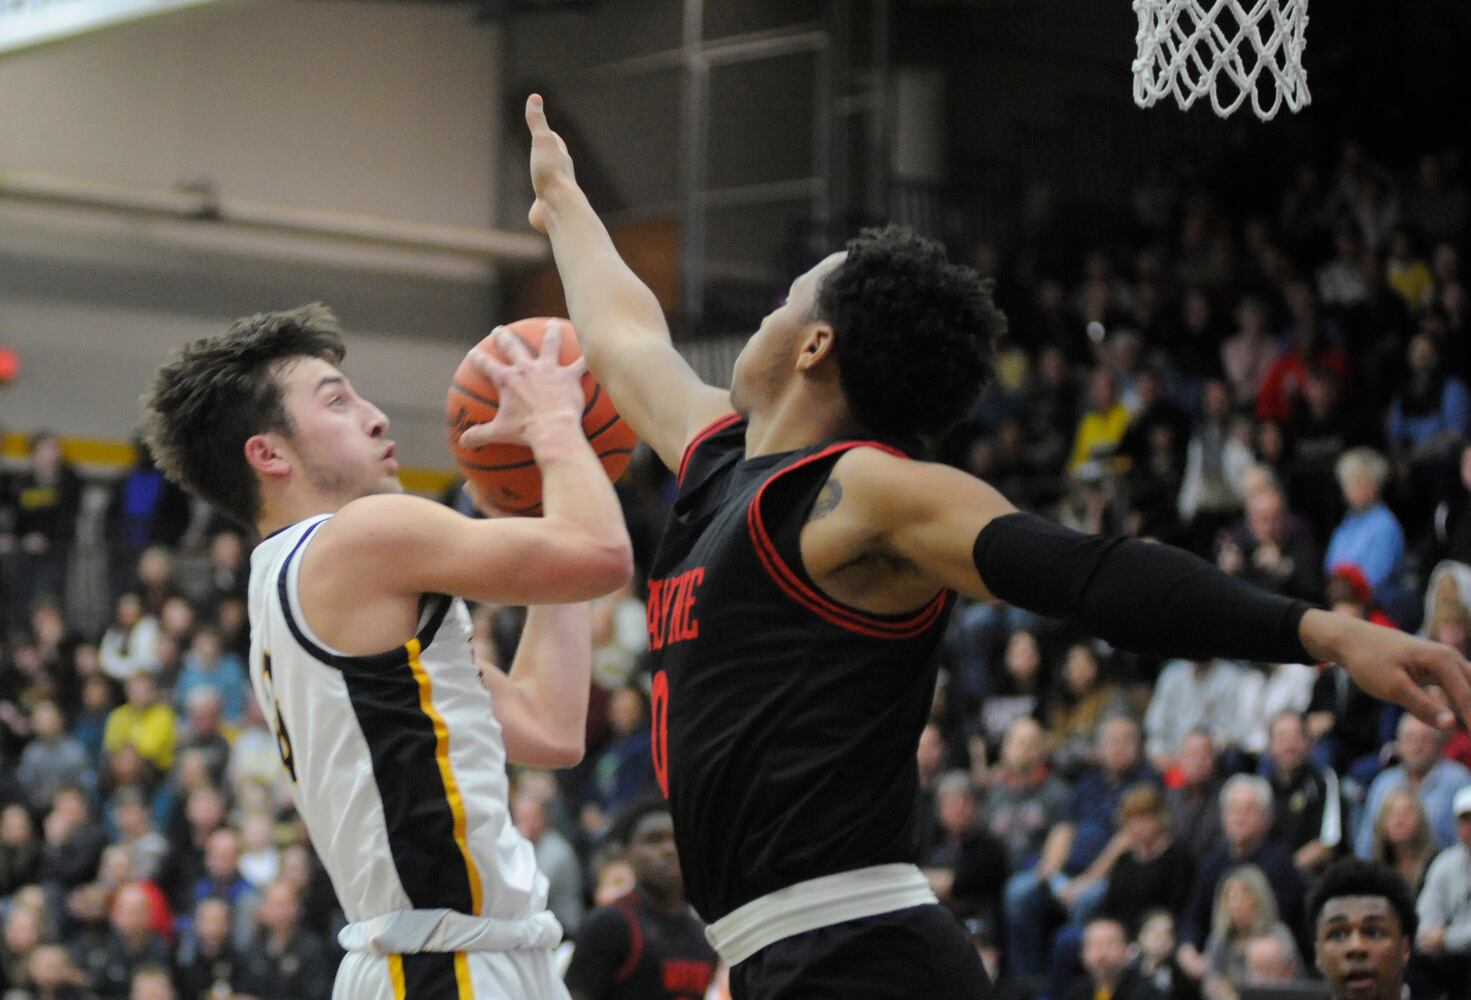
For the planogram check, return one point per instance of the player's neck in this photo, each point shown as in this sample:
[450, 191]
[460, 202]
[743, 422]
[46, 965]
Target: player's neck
[286, 509]
[797, 420]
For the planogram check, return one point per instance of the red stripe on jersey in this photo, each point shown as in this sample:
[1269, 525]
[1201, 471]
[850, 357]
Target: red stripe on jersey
[812, 599]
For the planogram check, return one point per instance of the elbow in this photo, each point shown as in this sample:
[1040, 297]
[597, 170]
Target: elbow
[610, 565]
[557, 754]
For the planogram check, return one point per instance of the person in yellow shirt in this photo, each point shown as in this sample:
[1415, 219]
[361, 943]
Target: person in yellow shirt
[1102, 427]
[143, 722]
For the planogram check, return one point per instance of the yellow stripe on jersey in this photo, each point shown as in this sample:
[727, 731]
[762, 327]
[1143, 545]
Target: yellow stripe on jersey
[463, 984]
[451, 789]
[396, 976]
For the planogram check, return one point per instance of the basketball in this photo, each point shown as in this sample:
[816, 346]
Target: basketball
[506, 472]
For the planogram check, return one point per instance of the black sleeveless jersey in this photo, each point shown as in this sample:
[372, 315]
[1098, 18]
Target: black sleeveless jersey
[785, 722]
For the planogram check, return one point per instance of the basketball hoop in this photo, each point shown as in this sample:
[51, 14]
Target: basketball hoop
[1235, 50]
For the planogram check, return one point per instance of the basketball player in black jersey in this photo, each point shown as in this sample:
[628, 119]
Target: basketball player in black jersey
[806, 573]
[646, 945]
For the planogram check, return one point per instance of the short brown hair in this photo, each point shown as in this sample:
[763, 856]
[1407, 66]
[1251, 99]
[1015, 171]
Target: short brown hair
[203, 406]
[1141, 800]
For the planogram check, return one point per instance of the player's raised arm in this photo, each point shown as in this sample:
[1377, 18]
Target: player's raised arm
[578, 550]
[619, 322]
[541, 703]
[1140, 596]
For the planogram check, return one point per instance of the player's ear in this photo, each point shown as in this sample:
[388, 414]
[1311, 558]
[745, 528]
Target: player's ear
[816, 345]
[266, 454]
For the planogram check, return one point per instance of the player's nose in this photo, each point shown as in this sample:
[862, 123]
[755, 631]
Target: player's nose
[377, 421]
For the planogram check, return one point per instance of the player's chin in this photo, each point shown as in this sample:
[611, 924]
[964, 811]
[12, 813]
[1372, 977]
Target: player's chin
[388, 484]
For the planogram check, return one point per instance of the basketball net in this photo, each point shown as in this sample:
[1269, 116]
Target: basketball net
[1233, 50]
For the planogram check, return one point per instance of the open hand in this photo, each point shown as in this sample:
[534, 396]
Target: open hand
[534, 390]
[551, 164]
[1394, 666]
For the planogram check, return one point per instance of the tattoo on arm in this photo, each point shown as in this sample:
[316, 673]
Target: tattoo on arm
[827, 500]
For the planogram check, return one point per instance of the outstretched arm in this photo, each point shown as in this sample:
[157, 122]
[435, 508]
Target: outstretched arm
[619, 323]
[541, 703]
[1138, 595]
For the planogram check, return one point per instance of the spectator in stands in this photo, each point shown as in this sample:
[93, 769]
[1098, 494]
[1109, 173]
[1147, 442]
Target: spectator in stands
[145, 845]
[1271, 960]
[1051, 410]
[44, 498]
[1072, 847]
[260, 858]
[1246, 819]
[130, 644]
[1081, 700]
[73, 841]
[1192, 695]
[1110, 976]
[24, 931]
[144, 723]
[222, 880]
[207, 962]
[625, 771]
[132, 945]
[1147, 870]
[1425, 428]
[229, 572]
[1248, 354]
[1018, 690]
[1402, 839]
[1424, 771]
[967, 868]
[1215, 466]
[554, 856]
[1155, 961]
[284, 959]
[202, 733]
[1310, 347]
[208, 666]
[1340, 279]
[52, 975]
[152, 982]
[1322, 427]
[1024, 799]
[1245, 908]
[1343, 720]
[1307, 814]
[147, 510]
[20, 851]
[1100, 430]
[1444, 907]
[1369, 537]
[202, 813]
[52, 759]
[1267, 690]
[1273, 548]
[1194, 797]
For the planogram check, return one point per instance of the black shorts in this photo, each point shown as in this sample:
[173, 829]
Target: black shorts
[922, 952]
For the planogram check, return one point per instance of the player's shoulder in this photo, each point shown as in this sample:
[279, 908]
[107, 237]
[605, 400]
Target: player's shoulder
[880, 471]
[377, 528]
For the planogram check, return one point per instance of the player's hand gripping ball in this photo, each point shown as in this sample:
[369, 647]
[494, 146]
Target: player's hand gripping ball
[506, 474]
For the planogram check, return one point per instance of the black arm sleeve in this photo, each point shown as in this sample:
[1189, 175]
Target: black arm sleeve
[1143, 597]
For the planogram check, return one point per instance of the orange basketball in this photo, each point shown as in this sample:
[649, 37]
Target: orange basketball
[507, 472]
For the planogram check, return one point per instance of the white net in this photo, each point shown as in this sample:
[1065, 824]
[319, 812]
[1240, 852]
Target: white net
[1234, 50]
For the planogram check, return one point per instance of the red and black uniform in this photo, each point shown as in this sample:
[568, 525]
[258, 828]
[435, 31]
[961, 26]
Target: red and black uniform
[785, 722]
[632, 951]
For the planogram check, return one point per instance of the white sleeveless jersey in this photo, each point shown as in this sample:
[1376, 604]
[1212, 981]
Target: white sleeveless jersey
[397, 763]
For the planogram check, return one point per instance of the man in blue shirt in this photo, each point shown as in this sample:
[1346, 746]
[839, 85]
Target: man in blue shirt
[1423, 770]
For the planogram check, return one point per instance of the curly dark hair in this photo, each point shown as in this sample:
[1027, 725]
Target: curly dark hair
[915, 333]
[1357, 877]
[219, 391]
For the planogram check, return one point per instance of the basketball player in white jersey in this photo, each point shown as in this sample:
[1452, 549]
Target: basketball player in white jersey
[360, 651]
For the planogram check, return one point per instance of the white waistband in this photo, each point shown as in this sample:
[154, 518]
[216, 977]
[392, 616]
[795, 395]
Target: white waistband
[404, 932]
[818, 902]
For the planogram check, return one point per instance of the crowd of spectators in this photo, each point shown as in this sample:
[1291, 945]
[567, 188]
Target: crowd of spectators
[1278, 385]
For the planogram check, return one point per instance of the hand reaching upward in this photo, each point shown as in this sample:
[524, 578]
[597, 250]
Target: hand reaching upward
[550, 163]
